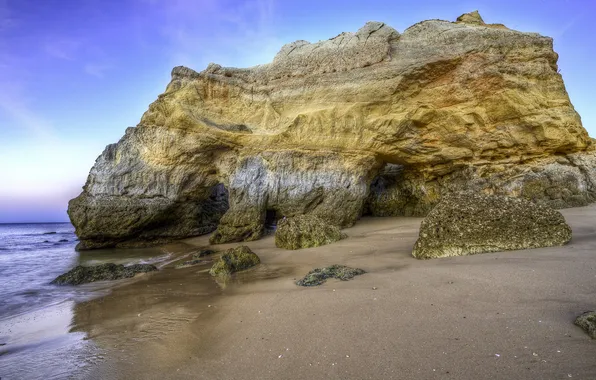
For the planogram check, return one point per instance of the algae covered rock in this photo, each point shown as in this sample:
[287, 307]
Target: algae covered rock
[469, 223]
[236, 226]
[305, 231]
[234, 260]
[318, 276]
[587, 321]
[104, 272]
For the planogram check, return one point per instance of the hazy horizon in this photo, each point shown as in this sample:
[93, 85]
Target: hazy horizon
[76, 74]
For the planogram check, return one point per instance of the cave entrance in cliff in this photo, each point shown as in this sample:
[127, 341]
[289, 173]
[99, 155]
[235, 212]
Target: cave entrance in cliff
[386, 196]
[271, 218]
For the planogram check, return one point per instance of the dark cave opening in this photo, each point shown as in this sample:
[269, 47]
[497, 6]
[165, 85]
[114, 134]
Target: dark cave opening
[271, 218]
[389, 177]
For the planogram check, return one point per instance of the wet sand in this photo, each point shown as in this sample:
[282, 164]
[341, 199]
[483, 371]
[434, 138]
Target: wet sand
[502, 315]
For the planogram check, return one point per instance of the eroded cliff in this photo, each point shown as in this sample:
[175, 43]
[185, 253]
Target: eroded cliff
[441, 107]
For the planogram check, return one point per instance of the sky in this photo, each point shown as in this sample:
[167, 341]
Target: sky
[74, 74]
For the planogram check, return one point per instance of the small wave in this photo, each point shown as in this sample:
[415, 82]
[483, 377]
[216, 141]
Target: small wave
[152, 260]
[50, 233]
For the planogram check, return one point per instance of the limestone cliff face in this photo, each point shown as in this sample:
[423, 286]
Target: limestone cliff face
[440, 107]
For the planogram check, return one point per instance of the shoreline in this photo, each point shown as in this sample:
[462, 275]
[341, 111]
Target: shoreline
[494, 315]
[507, 314]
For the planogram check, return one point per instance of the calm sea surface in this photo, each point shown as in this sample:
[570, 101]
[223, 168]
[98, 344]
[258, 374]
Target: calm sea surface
[36, 341]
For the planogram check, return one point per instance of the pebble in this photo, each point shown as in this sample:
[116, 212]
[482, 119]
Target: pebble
[374, 288]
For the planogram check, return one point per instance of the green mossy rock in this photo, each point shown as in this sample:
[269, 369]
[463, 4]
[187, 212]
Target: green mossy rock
[104, 272]
[305, 231]
[318, 276]
[587, 321]
[234, 260]
[469, 223]
[237, 226]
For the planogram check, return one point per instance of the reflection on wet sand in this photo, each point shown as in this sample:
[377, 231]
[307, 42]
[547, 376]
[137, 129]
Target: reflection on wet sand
[39, 345]
[41, 342]
[165, 315]
[461, 317]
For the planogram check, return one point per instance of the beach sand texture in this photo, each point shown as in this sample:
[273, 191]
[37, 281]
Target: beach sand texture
[506, 315]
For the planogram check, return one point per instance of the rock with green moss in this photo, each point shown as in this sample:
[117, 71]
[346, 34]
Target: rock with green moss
[234, 260]
[318, 276]
[104, 272]
[469, 223]
[587, 321]
[305, 231]
[239, 225]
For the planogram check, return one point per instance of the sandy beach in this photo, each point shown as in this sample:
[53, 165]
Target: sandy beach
[503, 315]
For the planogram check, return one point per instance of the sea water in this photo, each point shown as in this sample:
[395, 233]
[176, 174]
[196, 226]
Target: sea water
[36, 317]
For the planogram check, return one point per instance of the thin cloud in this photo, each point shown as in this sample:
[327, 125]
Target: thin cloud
[97, 69]
[17, 109]
[559, 33]
[7, 20]
[15, 104]
[229, 33]
[62, 48]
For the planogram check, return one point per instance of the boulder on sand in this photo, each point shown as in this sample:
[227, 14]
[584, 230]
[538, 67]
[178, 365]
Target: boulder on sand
[305, 231]
[587, 321]
[469, 223]
[104, 272]
[234, 260]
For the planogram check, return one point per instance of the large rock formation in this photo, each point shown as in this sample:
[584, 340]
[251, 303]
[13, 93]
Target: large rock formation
[419, 114]
[468, 223]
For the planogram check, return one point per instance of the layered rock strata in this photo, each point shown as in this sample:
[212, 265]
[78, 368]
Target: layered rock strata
[439, 107]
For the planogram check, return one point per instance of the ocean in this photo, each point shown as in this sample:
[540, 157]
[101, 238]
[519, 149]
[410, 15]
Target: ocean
[36, 319]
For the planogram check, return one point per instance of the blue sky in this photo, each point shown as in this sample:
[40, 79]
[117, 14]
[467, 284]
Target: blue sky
[75, 73]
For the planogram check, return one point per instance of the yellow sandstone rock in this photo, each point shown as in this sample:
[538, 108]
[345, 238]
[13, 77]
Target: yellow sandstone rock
[439, 107]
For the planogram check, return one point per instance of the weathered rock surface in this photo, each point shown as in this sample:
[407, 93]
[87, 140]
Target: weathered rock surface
[103, 272]
[234, 260]
[319, 276]
[305, 231]
[469, 223]
[453, 104]
[587, 321]
[555, 181]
